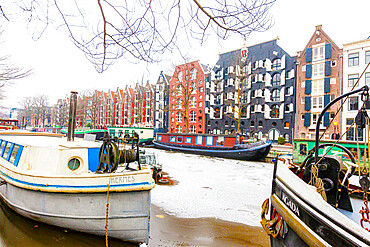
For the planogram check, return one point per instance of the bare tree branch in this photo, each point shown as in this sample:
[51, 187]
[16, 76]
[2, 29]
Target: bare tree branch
[142, 30]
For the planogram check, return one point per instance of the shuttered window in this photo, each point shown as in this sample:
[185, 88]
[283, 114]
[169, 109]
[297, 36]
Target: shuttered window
[327, 68]
[309, 55]
[326, 119]
[326, 99]
[308, 70]
[308, 88]
[327, 85]
[307, 103]
[307, 119]
[328, 51]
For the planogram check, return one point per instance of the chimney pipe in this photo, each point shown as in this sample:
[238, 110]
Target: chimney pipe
[72, 117]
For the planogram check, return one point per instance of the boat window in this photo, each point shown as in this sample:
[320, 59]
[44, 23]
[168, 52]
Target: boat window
[112, 133]
[199, 140]
[209, 140]
[220, 141]
[159, 138]
[303, 149]
[187, 139]
[74, 164]
[13, 153]
[2, 147]
[6, 149]
[179, 139]
[172, 139]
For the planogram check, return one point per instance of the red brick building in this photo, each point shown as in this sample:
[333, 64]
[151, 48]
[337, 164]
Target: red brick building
[187, 99]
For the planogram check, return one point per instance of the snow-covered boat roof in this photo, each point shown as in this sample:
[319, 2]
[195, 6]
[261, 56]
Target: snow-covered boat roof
[45, 140]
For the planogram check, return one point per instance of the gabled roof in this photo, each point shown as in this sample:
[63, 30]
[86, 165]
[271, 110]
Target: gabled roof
[314, 40]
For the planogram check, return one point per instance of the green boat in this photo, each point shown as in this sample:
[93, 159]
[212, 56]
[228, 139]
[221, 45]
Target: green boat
[301, 147]
[146, 135]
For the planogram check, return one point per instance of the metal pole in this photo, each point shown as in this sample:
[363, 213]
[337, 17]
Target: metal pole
[72, 116]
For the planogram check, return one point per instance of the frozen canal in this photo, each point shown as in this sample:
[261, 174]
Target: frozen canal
[219, 188]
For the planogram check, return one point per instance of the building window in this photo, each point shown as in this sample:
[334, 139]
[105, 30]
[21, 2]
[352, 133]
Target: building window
[193, 87]
[260, 124]
[353, 103]
[252, 108]
[314, 118]
[179, 89]
[318, 53]
[194, 74]
[367, 57]
[192, 129]
[352, 79]
[353, 59]
[179, 77]
[178, 129]
[276, 79]
[200, 103]
[179, 117]
[192, 116]
[217, 113]
[275, 96]
[274, 113]
[193, 102]
[318, 69]
[286, 125]
[317, 102]
[318, 86]
[276, 64]
[367, 79]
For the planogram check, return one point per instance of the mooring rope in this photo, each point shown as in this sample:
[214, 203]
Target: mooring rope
[107, 212]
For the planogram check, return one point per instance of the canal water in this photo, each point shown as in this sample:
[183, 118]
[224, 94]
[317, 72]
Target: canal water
[205, 189]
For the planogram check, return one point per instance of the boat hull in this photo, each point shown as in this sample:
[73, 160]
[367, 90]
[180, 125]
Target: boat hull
[256, 153]
[128, 219]
[308, 219]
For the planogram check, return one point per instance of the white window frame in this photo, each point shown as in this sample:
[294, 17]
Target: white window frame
[318, 52]
[317, 102]
[318, 70]
[193, 116]
[317, 86]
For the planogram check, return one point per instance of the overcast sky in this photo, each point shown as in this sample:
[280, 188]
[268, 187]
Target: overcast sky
[59, 67]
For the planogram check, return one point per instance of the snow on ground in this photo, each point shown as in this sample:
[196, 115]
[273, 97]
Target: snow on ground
[226, 189]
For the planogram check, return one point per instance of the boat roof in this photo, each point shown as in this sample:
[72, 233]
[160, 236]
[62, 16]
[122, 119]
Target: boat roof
[198, 134]
[40, 139]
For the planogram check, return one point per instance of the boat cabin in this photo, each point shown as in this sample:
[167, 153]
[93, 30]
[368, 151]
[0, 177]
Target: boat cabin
[206, 140]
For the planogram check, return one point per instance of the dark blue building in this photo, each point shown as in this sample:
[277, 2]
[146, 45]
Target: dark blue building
[253, 94]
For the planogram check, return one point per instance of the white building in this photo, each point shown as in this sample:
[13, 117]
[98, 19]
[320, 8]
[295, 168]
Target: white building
[356, 56]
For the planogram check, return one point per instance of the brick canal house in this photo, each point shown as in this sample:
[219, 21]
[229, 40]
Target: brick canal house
[356, 56]
[187, 98]
[318, 82]
[161, 103]
[129, 107]
[253, 92]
